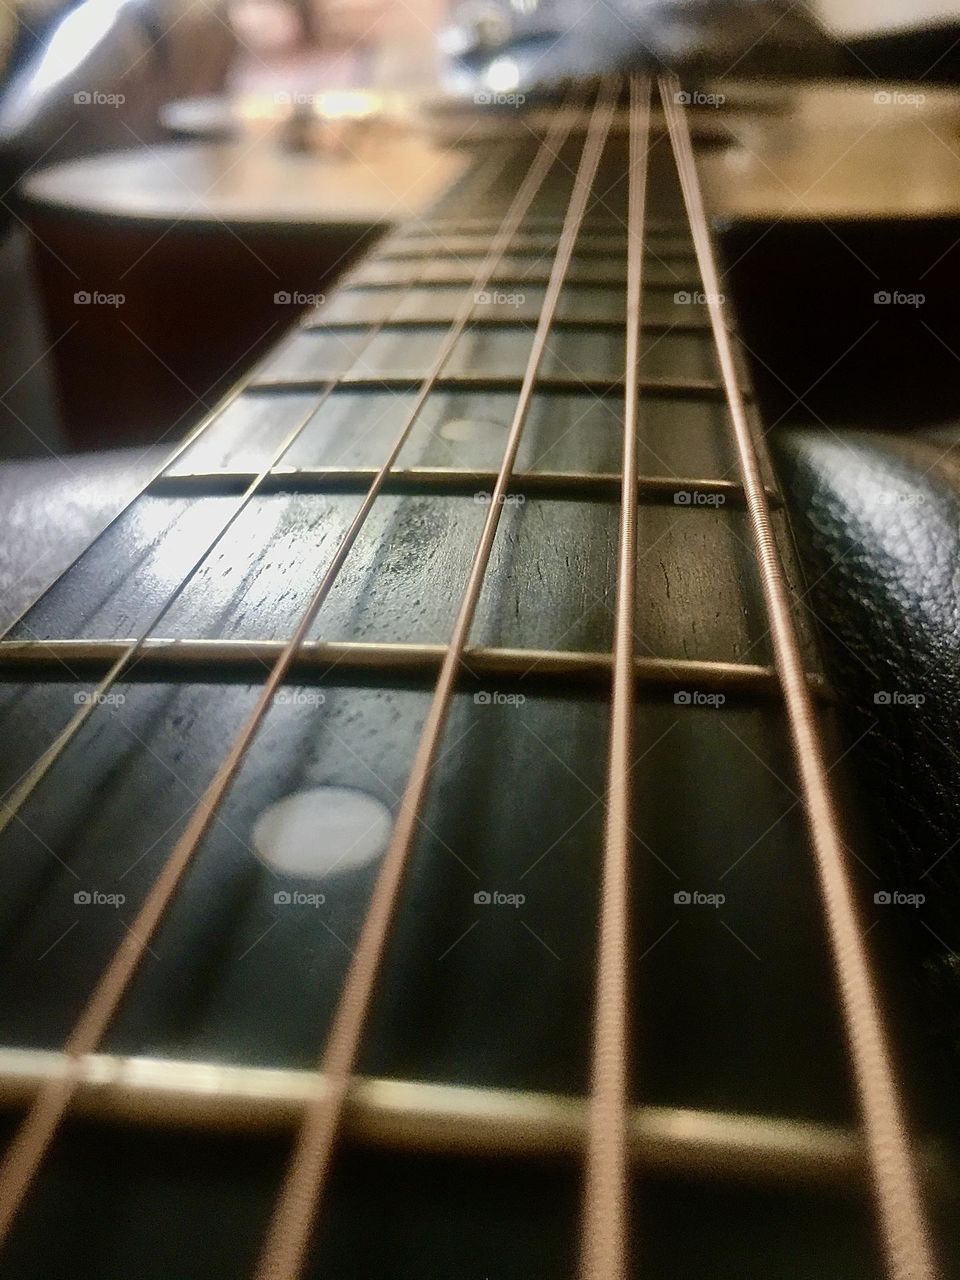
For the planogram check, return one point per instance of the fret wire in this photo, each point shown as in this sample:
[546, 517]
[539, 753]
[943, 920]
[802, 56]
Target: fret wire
[515, 278]
[674, 388]
[549, 222]
[422, 1116]
[604, 1253]
[32, 1139]
[289, 1234]
[601, 251]
[903, 1228]
[588, 324]
[548, 484]
[316, 658]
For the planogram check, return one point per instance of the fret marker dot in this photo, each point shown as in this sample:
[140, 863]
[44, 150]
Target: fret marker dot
[463, 430]
[321, 830]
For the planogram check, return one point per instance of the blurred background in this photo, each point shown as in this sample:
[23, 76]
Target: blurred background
[159, 184]
[180, 178]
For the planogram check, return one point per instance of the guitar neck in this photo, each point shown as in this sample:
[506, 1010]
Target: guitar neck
[385, 582]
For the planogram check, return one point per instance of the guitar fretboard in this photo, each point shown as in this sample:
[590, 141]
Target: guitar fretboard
[389, 562]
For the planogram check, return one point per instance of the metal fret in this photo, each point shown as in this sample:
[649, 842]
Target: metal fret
[549, 222]
[292, 1225]
[316, 659]
[902, 1219]
[421, 1117]
[548, 484]
[674, 388]
[585, 324]
[26, 1152]
[510, 279]
[611, 249]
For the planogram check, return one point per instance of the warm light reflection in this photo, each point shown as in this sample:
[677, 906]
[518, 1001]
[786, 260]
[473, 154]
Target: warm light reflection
[343, 104]
[502, 75]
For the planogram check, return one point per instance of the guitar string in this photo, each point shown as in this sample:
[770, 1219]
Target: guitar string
[604, 1253]
[13, 800]
[903, 1228]
[29, 1145]
[290, 1231]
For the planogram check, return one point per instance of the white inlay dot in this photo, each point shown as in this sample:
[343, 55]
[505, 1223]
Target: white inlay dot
[323, 829]
[463, 430]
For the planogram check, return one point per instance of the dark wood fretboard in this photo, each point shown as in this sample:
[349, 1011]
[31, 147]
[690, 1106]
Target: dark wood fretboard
[468, 1100]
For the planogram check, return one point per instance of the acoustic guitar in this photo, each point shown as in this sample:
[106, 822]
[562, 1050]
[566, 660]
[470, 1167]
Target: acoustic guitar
[429, 845]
